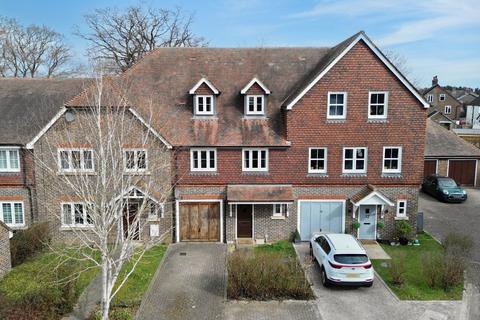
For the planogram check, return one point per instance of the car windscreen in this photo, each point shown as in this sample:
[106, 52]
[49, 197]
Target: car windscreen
[447, 183]
[351, 258]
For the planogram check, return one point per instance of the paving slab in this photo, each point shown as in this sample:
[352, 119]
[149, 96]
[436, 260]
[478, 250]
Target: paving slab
[375, 251]
[278, 310]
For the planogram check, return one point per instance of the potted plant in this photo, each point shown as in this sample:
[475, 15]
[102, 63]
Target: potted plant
[355, 224]
[296, 237]
[380, 224]
[404, 230]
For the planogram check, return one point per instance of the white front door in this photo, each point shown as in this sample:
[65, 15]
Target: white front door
[368, 222]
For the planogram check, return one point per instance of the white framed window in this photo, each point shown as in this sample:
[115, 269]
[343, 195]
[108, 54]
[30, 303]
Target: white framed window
[9, 159]
[255, 159]
[75, 160]
[204, 105]
[448, 109]
[337, 105]
[355, 160]
[12, 213]
[392, 159]
[317, 160]
[441, 97]
[203, 159]
[430, 98]
[75, 214]
[156, 211]
[401, 208]
[135, 160]
[377, 104]
[280, 210]
[254, 105]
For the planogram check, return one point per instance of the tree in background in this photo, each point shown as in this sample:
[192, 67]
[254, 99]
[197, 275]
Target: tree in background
[30, 51]
[122, 37]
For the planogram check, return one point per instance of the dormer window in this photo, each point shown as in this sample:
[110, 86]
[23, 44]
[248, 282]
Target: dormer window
[255, 93]
[204, 93]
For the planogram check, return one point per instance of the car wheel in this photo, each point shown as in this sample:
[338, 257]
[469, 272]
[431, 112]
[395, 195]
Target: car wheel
[323, 275]
[311, 250]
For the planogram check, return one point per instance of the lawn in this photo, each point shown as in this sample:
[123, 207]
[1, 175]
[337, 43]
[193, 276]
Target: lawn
[36, 289]
[126, 303]
[268, 272]
[415, 286]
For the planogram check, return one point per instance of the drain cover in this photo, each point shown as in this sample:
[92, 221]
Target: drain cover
[183, 253]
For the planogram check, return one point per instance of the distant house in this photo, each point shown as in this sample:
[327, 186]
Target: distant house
[443, 101]
[471, 131]
[449, 155]
[467, 97]
[442, 119]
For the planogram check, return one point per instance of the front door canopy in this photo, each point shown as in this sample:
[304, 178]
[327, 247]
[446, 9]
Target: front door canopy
[371, 197]
[259, 194]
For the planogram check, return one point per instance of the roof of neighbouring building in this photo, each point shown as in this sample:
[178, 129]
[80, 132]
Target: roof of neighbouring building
[27, 105]
[444, 143]
[475, 102]
[259, 193]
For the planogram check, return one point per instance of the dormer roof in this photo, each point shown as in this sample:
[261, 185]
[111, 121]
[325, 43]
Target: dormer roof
[251, 83]
[206, 82]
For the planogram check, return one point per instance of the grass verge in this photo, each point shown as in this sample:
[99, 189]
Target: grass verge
[415, 285]
[267, 272]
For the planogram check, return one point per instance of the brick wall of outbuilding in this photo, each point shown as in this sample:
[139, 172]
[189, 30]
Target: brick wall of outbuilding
[5, 258]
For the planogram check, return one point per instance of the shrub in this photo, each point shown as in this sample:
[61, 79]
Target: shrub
[263, 276]
[458, 244]
[397, 269]
[26, 243]
[404, 229]
[431, 268]
[380, 224]
[355, 224]
[443, 270]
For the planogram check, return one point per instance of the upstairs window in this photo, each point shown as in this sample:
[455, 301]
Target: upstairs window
[11, 213]
[255, 160]
[135, 159]
[430, 98]
[448, 110]
[317, 161]
[392, 159]
[401, 208]
[204, 105]
[203, 160]
[75, 215]
[255, 105]
[377, 105]
[75, 160]
[9, 160]
[337, 105]
[354, 160]
[442, 97]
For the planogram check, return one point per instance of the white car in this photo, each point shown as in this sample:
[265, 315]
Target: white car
[342, 259]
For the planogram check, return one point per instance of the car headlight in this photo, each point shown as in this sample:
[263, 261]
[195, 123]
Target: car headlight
[445, 192]
[464, 192]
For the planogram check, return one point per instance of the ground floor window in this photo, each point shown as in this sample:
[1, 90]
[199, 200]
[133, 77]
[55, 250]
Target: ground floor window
[12, 213]
[401, 208]
[75, 215]
[280, 210]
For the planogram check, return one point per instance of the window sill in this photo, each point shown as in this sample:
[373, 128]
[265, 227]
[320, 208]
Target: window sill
[137, 173]
[379, 120]
[205, 117]
[317, 175]
[203, 173]
[255, 116]
[70, 228]
[354, 175]
[255, 173]
[16, 226]
[278, 218]
[76, 173]
[333, 120]
[392, 175]
[9, 171]
[401, 218]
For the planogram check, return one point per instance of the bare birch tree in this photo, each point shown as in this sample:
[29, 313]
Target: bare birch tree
[123, 37]
[113, 176]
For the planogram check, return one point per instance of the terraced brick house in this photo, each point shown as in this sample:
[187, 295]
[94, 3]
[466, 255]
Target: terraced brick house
[267, 141]
[444, 105]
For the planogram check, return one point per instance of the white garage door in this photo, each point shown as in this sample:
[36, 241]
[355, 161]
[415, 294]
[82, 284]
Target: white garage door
[320, 216]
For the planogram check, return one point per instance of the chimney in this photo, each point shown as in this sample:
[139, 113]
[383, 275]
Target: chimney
[434, 81]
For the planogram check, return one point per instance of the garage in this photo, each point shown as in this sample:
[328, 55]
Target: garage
[199, 221]
[462, 171]
[320, 215]
[429, 168]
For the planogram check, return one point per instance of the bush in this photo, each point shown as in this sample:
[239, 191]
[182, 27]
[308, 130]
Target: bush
[404, 229]
[355, 224]
[264, 276]
[443, 270]
[397, 269]
[25, 243]
[432, 263]
[380, 224]
[458, 244]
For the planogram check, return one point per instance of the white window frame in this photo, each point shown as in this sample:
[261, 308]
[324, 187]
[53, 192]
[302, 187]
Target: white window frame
[209, 168]
[283, 210]
[449, 108]
[385, 107]
[8, 150]
[82, 160]
[324, 170]
[400, 154]
[250, 151]
[204, 113]
[135, 159]
[442, 97]
[159, 208]
[404, 214]
[430, 98]
[72, 212]
[14, 220]
[344, 115]
[255, 112]
[354, 159]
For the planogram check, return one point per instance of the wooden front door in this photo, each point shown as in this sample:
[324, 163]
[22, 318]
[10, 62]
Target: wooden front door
[244, 221]
[429, 167]
[199, 221]
[129, 213]
[462, 171]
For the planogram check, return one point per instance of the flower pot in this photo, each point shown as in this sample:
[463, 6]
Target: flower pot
[403, 241]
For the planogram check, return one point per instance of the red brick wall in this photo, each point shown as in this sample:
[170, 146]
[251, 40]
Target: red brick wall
[358, 72]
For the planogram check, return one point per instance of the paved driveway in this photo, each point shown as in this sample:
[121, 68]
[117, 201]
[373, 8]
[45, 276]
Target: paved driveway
[372, 303]
[190, 284]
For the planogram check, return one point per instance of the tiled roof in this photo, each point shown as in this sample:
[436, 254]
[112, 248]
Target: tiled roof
[259, 193]
[441, 142]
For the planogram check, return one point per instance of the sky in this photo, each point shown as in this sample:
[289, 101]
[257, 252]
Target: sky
[435, 37]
